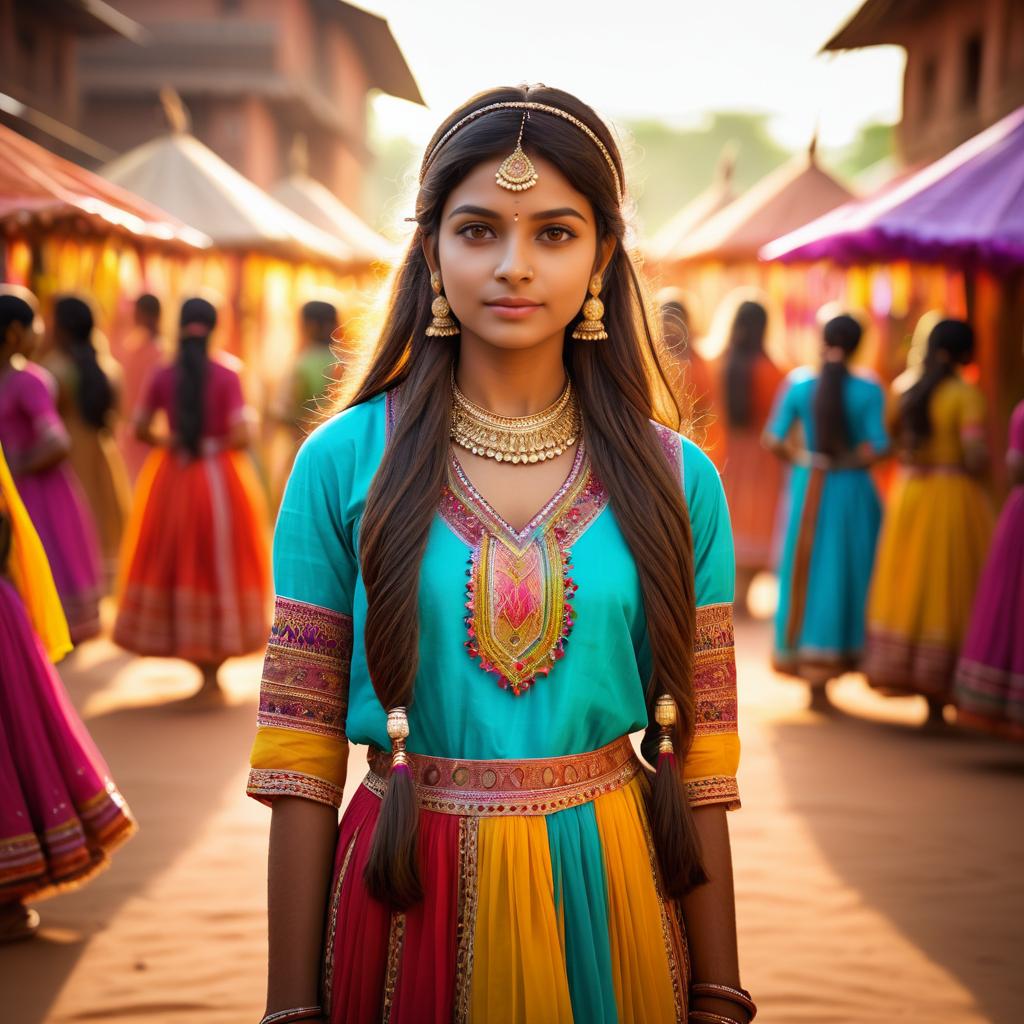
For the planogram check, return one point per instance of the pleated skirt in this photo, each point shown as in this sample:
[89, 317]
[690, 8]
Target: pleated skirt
[61, 815]
[990, 675]
[934, 539]
[825, 570]
[544, 917]
[195, 562]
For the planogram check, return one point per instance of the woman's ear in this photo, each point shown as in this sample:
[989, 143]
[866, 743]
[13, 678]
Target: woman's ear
[605, 252]
[428, 246]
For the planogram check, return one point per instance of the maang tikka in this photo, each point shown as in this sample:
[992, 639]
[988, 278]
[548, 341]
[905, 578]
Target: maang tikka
[516, 172]
[443, 325]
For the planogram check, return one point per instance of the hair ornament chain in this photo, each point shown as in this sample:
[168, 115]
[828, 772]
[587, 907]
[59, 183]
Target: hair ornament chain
[526, 105]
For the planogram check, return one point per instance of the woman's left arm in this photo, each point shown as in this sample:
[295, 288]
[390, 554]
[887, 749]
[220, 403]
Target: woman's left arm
[709, 770]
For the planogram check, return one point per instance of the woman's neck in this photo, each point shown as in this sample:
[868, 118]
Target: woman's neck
[517, 382]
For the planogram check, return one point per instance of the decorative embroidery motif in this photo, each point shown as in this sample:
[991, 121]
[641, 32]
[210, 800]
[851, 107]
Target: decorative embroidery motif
[465, 928]
[396, 942]
[498, 788]
[519, 585]
[714, 671]
[672, 446]
[266, 783]
[305, 672]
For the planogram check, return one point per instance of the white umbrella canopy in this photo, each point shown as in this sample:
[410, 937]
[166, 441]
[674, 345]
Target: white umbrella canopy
[189, 180]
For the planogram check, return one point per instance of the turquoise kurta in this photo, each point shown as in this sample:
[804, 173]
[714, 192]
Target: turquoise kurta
[835, 514]
[571, 637]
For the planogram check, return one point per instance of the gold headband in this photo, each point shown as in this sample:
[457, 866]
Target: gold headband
[527, 106]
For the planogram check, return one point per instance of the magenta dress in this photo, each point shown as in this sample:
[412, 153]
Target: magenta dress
[53, 497]
[61, 816]
[990, 674]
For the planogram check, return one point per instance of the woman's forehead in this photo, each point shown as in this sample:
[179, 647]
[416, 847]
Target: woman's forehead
[552, 191]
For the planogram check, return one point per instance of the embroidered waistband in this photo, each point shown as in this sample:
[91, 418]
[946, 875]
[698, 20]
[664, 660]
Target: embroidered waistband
[504, 787]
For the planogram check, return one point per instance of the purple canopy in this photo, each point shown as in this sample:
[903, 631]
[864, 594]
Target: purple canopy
[965, 209]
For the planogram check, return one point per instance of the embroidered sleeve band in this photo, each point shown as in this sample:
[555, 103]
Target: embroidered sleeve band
[305, 672]
[714, 671]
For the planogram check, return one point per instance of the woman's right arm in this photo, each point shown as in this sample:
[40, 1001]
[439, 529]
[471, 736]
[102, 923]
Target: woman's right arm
[302, 838]
[300, 755]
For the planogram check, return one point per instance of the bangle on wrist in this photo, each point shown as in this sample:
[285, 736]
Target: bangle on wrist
[707, 1017]
[292, 1016]
[737, 996]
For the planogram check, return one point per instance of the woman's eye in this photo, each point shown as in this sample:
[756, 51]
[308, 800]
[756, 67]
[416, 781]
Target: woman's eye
[476, 232]
[557, 234]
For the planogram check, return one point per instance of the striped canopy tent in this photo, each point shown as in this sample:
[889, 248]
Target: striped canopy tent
[316, 203]
[959, 219]
[63, 228]
[720, 256]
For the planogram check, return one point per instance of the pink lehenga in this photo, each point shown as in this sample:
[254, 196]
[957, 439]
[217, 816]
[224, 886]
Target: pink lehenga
[61, 815]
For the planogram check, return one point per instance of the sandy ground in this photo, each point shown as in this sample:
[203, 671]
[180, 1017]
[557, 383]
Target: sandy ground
[880, 871]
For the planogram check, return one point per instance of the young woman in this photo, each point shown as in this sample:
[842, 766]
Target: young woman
[37, 446]
[491, 568]
[936, 530]
[990, 675]
[834, 511]
[60, 814]
[752, 478]
[195, 576]
[87, 399]
[143, 356]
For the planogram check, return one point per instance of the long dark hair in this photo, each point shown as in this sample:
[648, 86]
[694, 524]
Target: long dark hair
[831, 433]
[620, 387]
[746, 346]
[950, 344]
[198, 319]
[94, 393]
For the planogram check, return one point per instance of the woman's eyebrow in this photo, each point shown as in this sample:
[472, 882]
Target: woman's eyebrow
[562, 211]
[476, 211]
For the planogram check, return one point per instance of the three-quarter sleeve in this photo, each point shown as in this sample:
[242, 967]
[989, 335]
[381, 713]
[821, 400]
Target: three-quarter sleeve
[37, 398]
[709, 771]
[300, 747]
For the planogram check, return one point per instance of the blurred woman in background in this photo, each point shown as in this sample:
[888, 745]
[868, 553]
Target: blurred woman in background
[752, 478]
[87, 384]
[834, 511]
[37, 446]
[990, 676]
[61, 815]
[195, 574]
[938, 521]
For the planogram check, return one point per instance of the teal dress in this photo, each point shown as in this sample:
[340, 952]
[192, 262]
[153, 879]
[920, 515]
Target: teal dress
[533, 652]
[833, 521]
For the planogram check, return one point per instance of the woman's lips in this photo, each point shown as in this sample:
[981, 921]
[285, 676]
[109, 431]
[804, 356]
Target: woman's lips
[513, 309]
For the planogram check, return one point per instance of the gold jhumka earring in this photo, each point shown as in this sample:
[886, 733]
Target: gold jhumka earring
[517, 172]
[590, 328]
[443, 325]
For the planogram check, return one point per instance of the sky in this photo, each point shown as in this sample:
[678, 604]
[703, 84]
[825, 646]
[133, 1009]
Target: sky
[673, 60]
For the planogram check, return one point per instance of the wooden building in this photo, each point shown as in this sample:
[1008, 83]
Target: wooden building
[253, 74]
[39, 95]
[965, 65]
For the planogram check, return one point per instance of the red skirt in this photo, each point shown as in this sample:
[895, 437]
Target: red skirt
[195, 568]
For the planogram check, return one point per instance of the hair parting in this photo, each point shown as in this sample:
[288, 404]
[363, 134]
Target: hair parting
[621, 385]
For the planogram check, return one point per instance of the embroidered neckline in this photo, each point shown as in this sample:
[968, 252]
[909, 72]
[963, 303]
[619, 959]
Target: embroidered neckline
[464, 489]
[519, 585]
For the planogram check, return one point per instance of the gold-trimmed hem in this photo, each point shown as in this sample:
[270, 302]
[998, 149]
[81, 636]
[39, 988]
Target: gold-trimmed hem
[267, 783]
[713, 789]
[465, 930]
[332, 928]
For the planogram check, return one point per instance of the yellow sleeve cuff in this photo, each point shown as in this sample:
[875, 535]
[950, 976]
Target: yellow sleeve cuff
[286, 762]
[709, 772]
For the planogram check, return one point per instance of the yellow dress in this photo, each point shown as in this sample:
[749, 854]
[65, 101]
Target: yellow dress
[935, 534]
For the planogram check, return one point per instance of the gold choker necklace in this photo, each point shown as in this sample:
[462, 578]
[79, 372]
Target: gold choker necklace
[516, 439]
